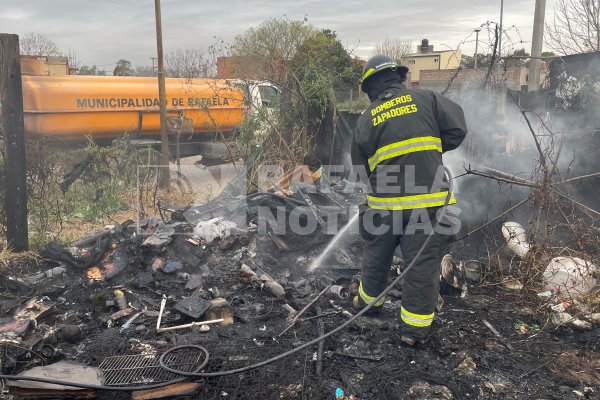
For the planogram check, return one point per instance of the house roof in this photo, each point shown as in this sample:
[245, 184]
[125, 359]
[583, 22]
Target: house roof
[431, 53]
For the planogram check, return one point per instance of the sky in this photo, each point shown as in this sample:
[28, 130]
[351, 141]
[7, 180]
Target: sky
[101, 32]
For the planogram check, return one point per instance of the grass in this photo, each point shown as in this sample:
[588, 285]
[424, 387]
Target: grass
[11, 262]
[105, 193]
[74, 227]
[359, 105]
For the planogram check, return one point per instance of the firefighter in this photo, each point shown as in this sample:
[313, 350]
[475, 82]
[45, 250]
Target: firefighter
[398, 143]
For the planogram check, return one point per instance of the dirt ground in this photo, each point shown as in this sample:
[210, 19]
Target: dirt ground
[462, 359]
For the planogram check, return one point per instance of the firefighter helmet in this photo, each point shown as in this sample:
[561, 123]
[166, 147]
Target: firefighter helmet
[377, 64]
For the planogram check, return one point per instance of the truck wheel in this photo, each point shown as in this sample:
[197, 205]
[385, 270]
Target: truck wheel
[142, 162]
[181, 182]
[213, 151]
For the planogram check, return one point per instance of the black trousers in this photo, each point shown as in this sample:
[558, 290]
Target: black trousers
[383, 231]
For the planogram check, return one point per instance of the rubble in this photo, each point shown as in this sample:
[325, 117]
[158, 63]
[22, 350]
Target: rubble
[473, 270]
[171, 267]
[156, 284]
[451, 273]
[171, 391]
[213, 229]
[511, 283]
[69, 333]
[467, 365]
[516, 238]
[120, 299]
[495, 388]
[51, 273]
[120, 314]
[265, 280]
[220, 309]
[571, 276]
[11, 328]
[425, 391]
[339, 291]
[564, 318]
[62, 370]
[195, 305]
[35, 309]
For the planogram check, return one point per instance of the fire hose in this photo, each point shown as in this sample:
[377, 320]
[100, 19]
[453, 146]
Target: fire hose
[197, 374]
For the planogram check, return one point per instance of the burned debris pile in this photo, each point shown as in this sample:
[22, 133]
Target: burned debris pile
[232, 277]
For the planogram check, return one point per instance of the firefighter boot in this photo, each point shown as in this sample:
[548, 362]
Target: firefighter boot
[408, 341]
[358, 304]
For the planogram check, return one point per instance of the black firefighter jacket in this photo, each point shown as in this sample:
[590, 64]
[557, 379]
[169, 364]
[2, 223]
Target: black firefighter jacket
[398, 144]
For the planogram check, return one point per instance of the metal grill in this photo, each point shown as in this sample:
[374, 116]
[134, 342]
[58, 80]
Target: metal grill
[145, 369]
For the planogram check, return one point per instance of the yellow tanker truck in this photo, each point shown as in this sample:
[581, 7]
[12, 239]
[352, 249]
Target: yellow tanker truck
[76, 108]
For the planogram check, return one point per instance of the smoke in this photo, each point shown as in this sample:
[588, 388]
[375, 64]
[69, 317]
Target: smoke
[500, 138]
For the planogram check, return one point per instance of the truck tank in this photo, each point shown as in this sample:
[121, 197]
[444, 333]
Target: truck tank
[73, 107]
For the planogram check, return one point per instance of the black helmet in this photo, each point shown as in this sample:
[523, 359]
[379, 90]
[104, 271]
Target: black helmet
[379, 63]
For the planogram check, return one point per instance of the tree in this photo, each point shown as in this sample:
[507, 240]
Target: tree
[517, 58]
[324, 54]
[266, 51]
[320, 67]
[187, 63]
[123, 68]
[394, 47]
[575, 27]
[38, 44]
[145, 70]
[307, 65]
[93, 70]
[483, 61]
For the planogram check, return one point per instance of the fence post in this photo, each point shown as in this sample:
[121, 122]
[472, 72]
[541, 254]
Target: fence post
[11, 100]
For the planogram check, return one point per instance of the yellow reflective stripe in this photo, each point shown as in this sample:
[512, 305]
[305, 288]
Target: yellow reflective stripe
[410, 202]
[368, 73]
[408, 141]
[418, 320]
[402, 152]
[369, 299]
[423, 143]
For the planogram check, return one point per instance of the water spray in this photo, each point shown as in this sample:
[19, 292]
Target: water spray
[319, 260]
[163, 357]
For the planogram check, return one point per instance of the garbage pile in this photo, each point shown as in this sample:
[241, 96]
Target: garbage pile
[103, 311]
[131, 288]
[566, 280]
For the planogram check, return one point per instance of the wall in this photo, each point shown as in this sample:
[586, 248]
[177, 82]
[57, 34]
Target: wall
[418, 64]
[438, 80]
[450, 59]
[58, 66]
[39, 65]
[430, 61]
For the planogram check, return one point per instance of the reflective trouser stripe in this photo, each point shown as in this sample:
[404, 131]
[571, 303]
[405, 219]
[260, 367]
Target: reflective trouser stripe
[369, 299]
[424, 143]
[410, 202]
[418, 320]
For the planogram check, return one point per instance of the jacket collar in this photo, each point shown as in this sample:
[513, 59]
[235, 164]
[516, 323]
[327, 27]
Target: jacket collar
[389, 91]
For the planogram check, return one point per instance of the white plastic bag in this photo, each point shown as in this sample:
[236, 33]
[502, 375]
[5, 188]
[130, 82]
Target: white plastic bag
[214, 228]
[516, 238]
[207, 230]
[571, 276]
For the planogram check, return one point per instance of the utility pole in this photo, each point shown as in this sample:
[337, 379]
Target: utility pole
[536, 46]
[500, 33]
[476, 44]
[162, 96]
[11, 98]
[153, 65]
